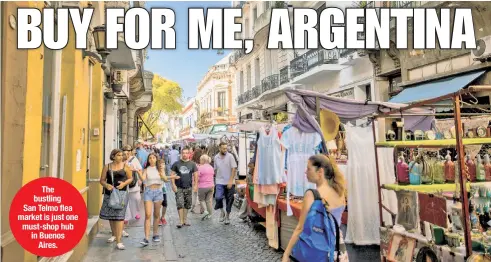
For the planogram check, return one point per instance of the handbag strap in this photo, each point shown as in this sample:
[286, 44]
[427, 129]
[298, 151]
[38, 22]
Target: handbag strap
[111, 172]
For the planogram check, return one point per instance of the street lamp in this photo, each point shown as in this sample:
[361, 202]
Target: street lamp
[99, 34]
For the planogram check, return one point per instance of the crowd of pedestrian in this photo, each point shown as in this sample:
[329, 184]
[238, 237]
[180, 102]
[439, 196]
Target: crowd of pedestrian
[149, 173]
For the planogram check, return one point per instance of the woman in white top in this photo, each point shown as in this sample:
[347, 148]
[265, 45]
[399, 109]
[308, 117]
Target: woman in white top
[153, 178]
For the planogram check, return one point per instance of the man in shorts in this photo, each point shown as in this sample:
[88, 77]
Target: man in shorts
[183, 187]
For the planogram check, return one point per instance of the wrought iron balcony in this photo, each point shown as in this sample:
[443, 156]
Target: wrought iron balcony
[256, 91]
[270, 82]
[236, 56]
[311, 59]
[284, 76]
[346, 52]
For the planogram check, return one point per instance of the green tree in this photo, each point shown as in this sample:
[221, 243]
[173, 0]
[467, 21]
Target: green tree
[166, 97]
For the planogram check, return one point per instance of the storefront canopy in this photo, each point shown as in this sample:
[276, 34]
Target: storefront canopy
[437, 88]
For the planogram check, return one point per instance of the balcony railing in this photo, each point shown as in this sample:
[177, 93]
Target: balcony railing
[270, 82]
[403, 4]
[284, 77]
[311, 59]
[256, 91]
[236, 56]
[346, 52]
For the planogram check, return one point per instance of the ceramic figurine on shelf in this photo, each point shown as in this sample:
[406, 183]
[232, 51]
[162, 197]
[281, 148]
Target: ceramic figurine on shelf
[480, 171]
[449, 168]
[427, 176]
[402, 171]
[415, 171]
[471, 168]
[438, 167]
[487, 167]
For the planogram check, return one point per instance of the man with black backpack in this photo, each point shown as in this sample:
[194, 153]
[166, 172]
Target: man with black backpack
[134, 202]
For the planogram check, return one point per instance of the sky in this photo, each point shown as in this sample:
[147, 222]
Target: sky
[186, 67]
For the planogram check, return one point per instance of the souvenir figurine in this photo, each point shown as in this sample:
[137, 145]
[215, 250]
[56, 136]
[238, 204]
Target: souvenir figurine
[471, 168]
[449, 168]
[415, 171]
[480, 172]
[487, 167]
[438, 169]
[402, 171]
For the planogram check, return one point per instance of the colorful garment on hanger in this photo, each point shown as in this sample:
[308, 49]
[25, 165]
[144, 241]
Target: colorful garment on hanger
[300, 147]
[270, 158]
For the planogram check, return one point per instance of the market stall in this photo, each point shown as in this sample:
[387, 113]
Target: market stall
[443, 178]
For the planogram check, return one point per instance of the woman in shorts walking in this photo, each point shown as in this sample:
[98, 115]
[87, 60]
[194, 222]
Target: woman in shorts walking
[153, 177]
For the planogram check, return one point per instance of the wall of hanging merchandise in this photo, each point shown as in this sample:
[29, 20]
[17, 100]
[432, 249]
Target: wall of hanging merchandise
[441, 160]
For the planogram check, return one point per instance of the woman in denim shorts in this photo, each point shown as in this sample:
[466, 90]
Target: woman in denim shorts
[153, 177]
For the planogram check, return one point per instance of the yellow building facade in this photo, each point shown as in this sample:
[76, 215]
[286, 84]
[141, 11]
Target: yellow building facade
[52, 119]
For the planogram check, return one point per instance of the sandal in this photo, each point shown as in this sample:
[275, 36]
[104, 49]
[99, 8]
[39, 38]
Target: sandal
[186, 224]
[179, 225]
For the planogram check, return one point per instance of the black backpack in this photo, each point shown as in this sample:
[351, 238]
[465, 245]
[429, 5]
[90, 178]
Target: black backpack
[135, 176]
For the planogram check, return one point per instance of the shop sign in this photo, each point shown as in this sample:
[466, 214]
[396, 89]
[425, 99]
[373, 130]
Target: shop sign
[349, 93]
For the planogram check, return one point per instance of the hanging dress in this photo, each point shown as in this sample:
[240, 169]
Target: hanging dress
[270, 158]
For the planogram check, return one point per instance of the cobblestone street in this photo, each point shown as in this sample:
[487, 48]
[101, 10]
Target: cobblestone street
[203, 241]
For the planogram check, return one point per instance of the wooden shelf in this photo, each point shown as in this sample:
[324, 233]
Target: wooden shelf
[430, 188]
[433, 143]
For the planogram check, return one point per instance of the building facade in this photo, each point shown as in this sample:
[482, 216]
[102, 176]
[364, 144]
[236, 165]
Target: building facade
[215, 96]
[263, 75]
[189, 119]
[55, 115]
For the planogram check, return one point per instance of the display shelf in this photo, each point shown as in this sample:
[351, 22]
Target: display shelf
[430, 188]
[433, 143]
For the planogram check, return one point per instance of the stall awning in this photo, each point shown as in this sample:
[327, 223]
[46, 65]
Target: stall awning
[437, 88]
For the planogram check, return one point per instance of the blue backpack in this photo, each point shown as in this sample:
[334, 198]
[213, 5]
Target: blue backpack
[320, 236]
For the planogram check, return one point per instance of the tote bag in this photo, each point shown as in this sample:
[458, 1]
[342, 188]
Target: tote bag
[118, 199]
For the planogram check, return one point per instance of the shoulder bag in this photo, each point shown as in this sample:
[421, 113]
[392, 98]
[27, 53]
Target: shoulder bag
[135, 175]
[118, 199]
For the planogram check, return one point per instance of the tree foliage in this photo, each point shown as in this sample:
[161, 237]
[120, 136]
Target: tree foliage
[166, 101]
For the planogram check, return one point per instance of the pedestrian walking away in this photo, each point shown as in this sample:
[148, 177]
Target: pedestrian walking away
[153, 177]
[205, 185]
[185, 170]
[225, 170]
[114, 175]
[133, 211]
[196, 200]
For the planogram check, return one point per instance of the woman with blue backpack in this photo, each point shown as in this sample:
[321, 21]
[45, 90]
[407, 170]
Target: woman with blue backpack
[317, 236]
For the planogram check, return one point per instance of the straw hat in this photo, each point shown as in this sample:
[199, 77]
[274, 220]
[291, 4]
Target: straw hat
[329, 123]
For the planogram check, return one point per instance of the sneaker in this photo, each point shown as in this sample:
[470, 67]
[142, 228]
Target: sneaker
[125, 234]
[164, 222]
[227, 221]
[137, 217]
[205, 215]
[144, 242]
[121, 246]
[222, 217]
[111, 239]
[156, 239]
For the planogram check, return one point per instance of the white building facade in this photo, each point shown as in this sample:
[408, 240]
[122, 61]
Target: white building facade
[215, 95]
[263, 75]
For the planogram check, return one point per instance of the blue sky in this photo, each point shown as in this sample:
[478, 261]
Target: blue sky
[186, 67]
